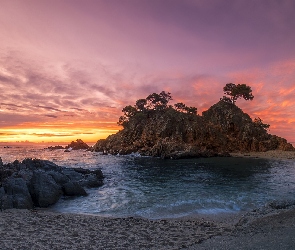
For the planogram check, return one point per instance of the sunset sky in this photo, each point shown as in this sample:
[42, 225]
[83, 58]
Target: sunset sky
[68, 67]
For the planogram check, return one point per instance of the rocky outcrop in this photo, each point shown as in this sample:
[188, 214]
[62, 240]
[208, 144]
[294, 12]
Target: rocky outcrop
[168, 133]
[55, 147]
[40, 183]
[78, 144]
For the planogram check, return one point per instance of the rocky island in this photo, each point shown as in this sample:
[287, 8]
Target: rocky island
[152, 127]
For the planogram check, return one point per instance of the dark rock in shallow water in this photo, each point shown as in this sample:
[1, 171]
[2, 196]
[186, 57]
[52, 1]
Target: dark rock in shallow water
[59, 177]
[84, 171]
[55, 147]
[91, 181]
[78, 144]
[40, 183]
[73, 189]
[44, 190]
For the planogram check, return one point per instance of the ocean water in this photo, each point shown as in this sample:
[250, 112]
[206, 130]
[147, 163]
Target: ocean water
[155, 188]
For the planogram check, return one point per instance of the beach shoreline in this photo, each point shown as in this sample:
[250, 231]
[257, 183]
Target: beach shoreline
[43, 229]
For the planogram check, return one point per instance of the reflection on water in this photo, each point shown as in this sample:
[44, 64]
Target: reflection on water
[155, 188]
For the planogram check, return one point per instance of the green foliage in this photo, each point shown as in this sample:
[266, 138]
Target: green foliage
[153, 104]
[258, 122]
[237, 91]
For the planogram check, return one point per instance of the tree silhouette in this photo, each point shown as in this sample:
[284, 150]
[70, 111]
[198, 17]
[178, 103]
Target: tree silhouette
[237, 91]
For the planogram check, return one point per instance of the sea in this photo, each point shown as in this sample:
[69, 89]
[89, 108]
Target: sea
[154, 188]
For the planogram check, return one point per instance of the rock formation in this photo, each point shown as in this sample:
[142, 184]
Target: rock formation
[40, 183]
[169, 133]
[78, 144]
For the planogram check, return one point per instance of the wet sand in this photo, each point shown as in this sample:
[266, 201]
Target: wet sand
[264, 228]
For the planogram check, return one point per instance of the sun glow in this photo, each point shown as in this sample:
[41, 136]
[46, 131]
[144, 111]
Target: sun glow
[38, 135]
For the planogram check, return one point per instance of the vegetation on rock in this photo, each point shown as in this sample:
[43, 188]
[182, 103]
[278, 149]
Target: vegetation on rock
[153, 127]
[155, 104]
[237, 91]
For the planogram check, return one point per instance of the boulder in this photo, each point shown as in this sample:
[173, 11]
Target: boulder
[91, 181]
[73, 189]
[6, 201]
[84, 171]
[19, 192]
[44, 190]
[59, 177]
[72, 174]
[78, 144]
[55, 147]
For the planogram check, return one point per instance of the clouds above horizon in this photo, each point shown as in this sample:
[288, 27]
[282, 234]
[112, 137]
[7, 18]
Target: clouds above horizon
[79, 63]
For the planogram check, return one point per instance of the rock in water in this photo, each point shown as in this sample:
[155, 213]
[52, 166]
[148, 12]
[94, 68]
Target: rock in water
[78, 144]
[169, 133]
[44, 190]
[40, 183]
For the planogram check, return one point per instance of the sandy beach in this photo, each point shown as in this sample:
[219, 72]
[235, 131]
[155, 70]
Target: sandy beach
[40, 229]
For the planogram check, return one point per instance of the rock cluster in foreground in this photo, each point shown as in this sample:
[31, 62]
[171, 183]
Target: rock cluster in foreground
[224, 128]
[40, 183]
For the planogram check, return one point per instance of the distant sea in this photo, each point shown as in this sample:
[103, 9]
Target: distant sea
[154, 188]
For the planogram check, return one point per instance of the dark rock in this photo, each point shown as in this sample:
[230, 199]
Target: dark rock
[55, 147]
[34, 164]
[2, 192]
[98, 173]
[41, 183]
[78, 144]
[17, 188]
[91, 181]
[58, 177]
[6, 201]
[73, 189]
[44, 190]
[84, 171]
[72, 174]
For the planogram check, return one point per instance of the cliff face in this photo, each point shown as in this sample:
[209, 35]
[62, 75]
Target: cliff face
[169, 133]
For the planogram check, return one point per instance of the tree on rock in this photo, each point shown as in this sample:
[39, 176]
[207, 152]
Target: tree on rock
[181, 107]
[153, 105]
[237, 91]
[158, 101]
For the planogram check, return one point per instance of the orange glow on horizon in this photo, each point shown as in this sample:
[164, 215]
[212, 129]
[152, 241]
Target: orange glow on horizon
[57, 134]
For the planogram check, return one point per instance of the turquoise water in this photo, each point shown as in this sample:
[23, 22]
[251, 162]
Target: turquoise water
[155, 188]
